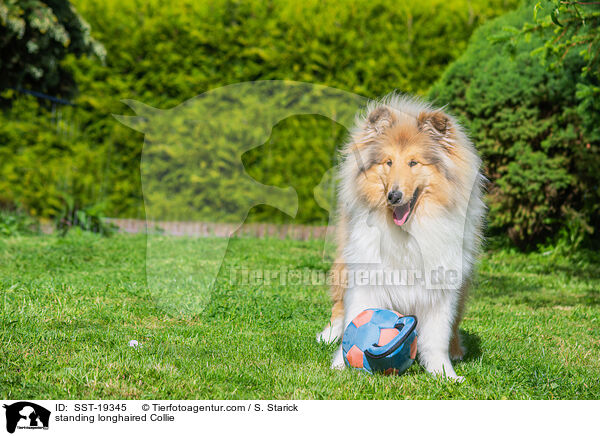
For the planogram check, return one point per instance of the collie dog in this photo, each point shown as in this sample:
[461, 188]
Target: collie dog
[410, 214]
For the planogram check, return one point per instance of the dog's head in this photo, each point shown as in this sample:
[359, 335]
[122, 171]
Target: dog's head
[407, 164]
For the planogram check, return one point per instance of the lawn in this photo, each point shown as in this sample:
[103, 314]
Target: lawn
[69, 307]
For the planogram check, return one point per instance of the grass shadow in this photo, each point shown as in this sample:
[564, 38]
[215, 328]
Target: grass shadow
[536, 292]
[472, 344]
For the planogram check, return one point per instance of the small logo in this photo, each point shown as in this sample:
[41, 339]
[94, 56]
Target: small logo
[26, 415]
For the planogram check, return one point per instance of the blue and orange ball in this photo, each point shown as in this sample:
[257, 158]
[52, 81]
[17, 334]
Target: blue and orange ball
[380, 341]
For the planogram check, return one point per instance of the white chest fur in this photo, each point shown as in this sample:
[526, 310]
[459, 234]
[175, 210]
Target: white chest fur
[406, 268]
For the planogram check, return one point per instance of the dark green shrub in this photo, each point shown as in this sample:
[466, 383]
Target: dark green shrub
[34, 37]
[538, 136]
[89, 219]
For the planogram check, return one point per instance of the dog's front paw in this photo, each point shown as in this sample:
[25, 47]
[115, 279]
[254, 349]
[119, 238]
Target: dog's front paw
[457, 379]
[442, 368]
[332, 332]
[327, 336]
[449, 377]
[338, 359]
[338, 366]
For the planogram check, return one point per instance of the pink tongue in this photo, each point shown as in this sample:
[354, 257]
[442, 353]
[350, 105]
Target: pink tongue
[403, 211]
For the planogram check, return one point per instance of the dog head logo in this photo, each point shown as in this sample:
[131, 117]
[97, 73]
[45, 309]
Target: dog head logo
[192, 170]
[26, 415]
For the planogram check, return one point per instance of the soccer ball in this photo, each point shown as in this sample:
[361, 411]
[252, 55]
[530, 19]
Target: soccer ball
[380, 341]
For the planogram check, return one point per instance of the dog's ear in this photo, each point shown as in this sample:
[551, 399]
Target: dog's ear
[378, 120]
[438, 126]
[376, 123]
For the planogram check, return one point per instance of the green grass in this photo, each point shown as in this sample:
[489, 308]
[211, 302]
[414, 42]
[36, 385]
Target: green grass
[68, 308]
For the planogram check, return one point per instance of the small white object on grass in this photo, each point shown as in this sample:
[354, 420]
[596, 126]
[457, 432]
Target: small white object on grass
[133, 343]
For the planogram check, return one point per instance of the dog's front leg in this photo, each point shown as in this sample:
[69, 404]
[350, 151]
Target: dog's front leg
[338, 359]
[435, 330]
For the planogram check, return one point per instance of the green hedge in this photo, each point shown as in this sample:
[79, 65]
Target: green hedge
[539, 137]
[162, 53]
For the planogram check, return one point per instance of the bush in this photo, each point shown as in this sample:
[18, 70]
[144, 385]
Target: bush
[163, 53]
[89, 219]
[14, 223]
[538, 140]
[34, 36]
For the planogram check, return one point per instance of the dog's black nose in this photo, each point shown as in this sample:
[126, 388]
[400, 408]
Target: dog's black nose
[394, 197]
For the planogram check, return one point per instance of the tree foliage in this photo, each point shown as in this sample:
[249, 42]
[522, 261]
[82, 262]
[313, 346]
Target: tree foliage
[34, 37]
[536, 128]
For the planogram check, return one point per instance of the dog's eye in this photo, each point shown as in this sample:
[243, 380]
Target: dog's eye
[412, 163]
[389, 163]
